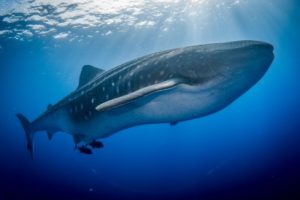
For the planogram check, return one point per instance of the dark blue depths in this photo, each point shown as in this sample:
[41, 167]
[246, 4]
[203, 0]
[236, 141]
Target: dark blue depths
[250, 150]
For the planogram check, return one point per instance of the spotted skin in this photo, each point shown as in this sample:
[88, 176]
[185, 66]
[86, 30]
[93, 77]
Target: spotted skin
[205, 79]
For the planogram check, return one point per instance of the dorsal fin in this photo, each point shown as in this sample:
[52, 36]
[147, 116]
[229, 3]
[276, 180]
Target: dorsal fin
[88, 72]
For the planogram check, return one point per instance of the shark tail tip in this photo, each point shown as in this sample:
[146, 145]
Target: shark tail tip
[27, 128]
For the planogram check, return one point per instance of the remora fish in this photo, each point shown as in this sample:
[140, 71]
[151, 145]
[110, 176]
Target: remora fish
[165, 87]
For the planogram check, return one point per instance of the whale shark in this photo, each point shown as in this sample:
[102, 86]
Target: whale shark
[165, 87]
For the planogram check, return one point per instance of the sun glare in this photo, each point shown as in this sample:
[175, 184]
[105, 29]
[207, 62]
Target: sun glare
[78, 20]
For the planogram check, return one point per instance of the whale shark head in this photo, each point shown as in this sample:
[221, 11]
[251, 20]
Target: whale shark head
[219, 72]
[232, 66]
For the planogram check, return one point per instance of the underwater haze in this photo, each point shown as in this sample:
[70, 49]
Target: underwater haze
[249, 150]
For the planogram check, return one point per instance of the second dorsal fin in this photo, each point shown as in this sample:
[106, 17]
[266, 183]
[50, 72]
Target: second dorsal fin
[88, 72]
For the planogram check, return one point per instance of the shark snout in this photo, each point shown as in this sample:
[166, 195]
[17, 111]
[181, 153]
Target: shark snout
[260, 57]
[251, 62]
[249, 58]
[264, 50]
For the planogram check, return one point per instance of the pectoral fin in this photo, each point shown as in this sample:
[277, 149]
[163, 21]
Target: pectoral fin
[137, 94]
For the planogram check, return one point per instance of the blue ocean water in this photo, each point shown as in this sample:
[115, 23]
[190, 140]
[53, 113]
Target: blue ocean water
[249, 150]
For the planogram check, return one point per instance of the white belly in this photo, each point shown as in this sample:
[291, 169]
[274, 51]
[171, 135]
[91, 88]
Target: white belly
[180, 103]
[177, 104]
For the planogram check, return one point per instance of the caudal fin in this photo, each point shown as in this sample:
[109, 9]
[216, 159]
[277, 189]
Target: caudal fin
[26, 126]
